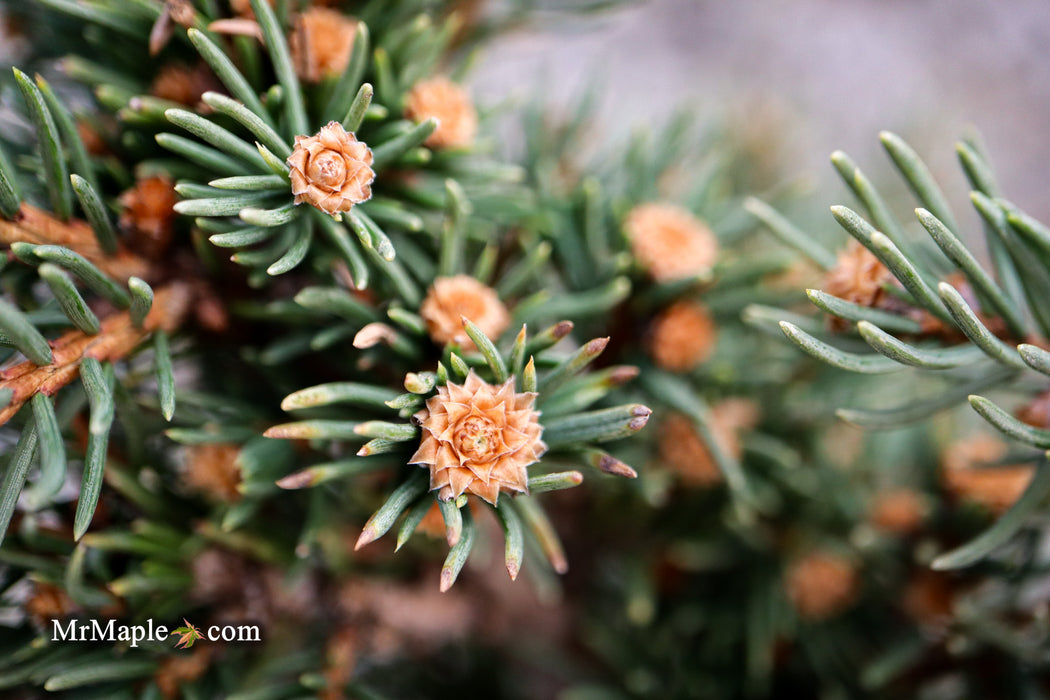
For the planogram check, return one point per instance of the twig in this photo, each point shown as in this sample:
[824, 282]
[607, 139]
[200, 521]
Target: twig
[117, 338]
[35, 226]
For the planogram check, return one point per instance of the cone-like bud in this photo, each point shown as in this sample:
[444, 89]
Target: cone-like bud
[331, 170]
[479, 438]
[858, 276]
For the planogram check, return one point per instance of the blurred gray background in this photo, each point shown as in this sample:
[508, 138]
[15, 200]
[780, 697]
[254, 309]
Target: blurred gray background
[817, 74]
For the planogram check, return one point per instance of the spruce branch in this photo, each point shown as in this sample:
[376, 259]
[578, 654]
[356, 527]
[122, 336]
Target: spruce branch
[117, 337]
[575, 431]
[910, 284]
[36, 227]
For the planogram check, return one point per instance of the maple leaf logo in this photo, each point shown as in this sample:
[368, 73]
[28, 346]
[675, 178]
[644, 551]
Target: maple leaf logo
[188, 635]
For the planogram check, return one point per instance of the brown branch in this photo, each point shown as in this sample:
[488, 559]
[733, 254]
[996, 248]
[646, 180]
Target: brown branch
[117, 338]
[35, 226]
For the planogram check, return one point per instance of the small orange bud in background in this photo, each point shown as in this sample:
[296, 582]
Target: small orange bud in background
[321, 43]
[821, 585]
[149, 214]
[212, 471]
[450, 299]
[669, 242]
[970, 472]
[450, 104]
[897, 512]
[682, 337]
